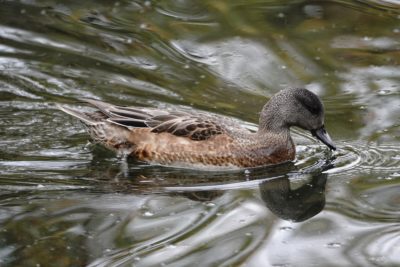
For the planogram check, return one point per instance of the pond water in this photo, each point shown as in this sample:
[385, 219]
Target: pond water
[63, 203]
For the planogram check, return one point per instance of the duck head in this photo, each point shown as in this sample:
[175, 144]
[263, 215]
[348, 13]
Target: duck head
[295, 107]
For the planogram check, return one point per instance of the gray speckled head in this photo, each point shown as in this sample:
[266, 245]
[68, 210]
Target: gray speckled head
[295, 107]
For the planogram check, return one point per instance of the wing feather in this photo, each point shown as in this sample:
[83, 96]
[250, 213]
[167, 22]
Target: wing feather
[196, 126]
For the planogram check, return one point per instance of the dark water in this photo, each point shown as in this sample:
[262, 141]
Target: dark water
[66, 204]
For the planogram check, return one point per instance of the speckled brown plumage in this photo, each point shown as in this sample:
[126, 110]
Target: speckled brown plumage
[181, 138]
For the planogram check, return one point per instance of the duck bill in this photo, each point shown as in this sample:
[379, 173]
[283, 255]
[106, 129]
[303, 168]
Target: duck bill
[324, 137]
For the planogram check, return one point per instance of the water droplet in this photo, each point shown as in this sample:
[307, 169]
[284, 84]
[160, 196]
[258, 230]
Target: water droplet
[281, 15]
[202, 76]
[136, 258]
[210, 204]
[383, 92]
[148, 214]
[186, 66]
[43, 12]
[249, 234]
[143, 26]
[40, 186]
[247, 172]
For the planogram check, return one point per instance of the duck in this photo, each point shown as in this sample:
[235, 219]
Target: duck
[182, 138]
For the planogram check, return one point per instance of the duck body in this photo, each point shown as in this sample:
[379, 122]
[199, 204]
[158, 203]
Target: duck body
[204, 140]
[219, 150]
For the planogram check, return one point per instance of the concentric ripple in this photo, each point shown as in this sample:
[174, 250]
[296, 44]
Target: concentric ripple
[378, 247]
[349, 158]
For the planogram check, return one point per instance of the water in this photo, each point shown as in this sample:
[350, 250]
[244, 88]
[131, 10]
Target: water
[63, 203]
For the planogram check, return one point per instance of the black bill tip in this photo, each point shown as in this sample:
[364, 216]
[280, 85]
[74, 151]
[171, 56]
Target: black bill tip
[324, 137]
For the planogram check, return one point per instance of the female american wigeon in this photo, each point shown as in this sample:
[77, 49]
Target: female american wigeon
[181, 138]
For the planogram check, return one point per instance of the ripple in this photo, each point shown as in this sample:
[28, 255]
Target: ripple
[48, 187]
[184, 10]
[378, 247]
[172, 243]
[384, 200]
[364, 157]
[239, 61]
[68, 206]
[378, 204]
[349, 158]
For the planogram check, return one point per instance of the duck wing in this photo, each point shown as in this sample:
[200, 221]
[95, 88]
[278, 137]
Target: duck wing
[196, 126]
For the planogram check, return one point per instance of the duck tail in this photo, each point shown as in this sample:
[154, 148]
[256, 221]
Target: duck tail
[100, 105]
[82, 116]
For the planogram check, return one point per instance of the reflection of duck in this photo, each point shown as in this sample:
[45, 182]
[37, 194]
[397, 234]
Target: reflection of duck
[203, 139]
[276, 189]
[297, 204]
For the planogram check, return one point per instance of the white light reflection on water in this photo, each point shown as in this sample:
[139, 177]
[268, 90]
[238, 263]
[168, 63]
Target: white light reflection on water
[238, 61]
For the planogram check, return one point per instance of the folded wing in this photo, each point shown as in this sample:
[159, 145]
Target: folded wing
[199, 126]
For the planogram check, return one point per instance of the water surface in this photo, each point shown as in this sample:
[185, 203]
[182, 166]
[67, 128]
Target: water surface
[63, 203]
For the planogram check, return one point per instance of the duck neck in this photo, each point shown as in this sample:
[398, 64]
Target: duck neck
[272, 121]
[272, 125]
[279, 137]
[271, 129]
